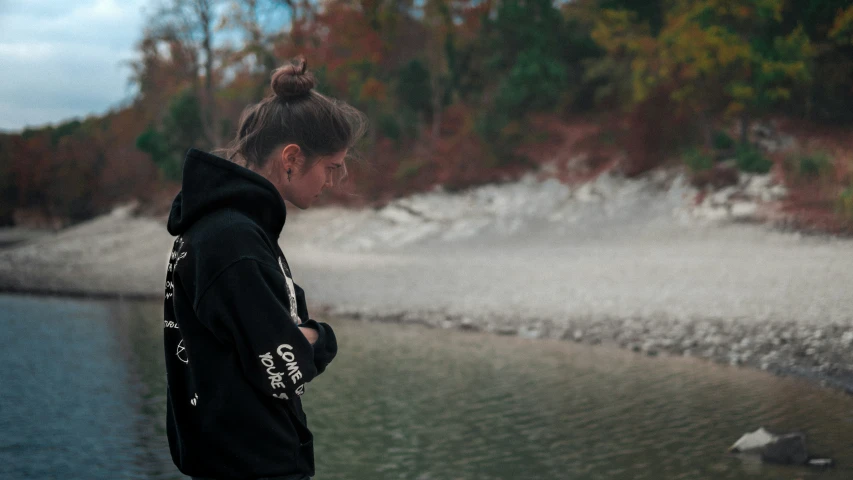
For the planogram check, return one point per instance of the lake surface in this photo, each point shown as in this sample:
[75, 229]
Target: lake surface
[82, 396]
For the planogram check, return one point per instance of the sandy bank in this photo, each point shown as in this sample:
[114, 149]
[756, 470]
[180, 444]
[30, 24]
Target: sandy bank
[630, 263]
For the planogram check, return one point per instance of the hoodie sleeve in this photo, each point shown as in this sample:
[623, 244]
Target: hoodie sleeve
[247, 303]
[326, 346]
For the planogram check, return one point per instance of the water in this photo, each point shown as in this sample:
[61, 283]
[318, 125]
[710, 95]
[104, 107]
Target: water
[82, 396]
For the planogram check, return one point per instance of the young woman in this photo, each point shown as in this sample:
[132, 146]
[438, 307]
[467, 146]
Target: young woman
[239, 343]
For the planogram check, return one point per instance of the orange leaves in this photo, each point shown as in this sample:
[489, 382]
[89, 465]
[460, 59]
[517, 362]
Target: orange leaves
[739, 10]
[617, 32]
[373, 90]
[710, 54]
[842, 27]
[471, 20]
[743, 11]
[341, 40]
[341, 33]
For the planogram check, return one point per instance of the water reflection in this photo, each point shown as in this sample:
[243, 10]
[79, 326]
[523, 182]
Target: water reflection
[83, 397]
[68, 407]
[433, 404]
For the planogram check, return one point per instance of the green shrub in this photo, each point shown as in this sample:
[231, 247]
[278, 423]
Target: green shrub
[697, 160]
[607, 137]
[413, 87]
[501, 135]
[181, 127]
[64, 130]
[535, 83]
[156, 145]
[750, 159]
[409, 169]
[389, 128]
[814, 165]
[845, 203]
[722, 140]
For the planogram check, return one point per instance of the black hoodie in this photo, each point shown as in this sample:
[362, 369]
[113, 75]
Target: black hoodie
[236, 361]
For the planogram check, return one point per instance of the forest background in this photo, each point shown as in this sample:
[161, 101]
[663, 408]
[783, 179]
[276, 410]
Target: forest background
[468, 92]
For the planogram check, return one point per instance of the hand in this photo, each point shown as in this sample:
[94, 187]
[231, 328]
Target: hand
[310, 334]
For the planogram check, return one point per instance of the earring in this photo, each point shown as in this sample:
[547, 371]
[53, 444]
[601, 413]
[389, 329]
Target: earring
[288, 174]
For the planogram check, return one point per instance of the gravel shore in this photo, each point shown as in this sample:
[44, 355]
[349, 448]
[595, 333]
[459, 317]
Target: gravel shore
[628, 263]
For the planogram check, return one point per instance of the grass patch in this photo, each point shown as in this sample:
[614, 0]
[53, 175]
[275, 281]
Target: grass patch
[812, 166]
[409, 169]
[697, 160]
[390, 128]
[722, 141]
[845, 203]
[750, 159]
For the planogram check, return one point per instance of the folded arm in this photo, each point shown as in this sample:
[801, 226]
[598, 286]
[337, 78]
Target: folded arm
[247, 303]
[326, 344]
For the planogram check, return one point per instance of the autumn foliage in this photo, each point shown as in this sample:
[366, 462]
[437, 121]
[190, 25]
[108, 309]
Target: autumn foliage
[459, 92]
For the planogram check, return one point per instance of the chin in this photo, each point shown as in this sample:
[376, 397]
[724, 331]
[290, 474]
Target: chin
[303, 203]
[299, 205]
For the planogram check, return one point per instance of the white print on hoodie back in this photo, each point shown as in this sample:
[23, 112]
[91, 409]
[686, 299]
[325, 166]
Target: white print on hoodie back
[169, 321]
[291, 291]
[170, 324]
[174, 257]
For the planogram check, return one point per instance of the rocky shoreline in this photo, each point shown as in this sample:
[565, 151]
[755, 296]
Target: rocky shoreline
[821, 354]
[633, 264]
[817, 354]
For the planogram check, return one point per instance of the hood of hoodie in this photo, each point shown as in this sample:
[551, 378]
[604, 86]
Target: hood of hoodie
[211, 183]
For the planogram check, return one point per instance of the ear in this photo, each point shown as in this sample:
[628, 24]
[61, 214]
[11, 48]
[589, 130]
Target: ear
[292, 157]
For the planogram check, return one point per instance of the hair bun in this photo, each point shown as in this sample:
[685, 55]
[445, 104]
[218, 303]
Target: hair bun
[292, 80]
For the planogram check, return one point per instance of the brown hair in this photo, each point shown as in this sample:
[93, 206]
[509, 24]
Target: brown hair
[295, 113]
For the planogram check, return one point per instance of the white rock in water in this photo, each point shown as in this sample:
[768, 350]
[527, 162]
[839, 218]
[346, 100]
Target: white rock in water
[785, 449]
[753, 441]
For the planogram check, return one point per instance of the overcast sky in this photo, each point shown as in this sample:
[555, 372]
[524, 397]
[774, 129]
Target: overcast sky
[64, 58]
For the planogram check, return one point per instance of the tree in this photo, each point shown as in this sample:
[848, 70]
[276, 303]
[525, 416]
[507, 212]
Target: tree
[348, 51]
[73, 177]
[182, 128]
[191, 25]
[437, 19]
[413, 87]
[842, 27]
[8, 188]
[528, 69]
[647, 12]
[262, 23]
[828, 98]
[713, 57]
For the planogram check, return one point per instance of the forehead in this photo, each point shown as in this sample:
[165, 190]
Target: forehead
[337, 158]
